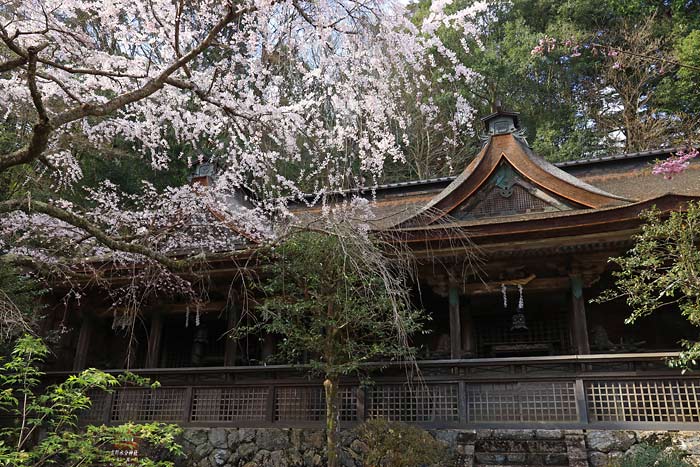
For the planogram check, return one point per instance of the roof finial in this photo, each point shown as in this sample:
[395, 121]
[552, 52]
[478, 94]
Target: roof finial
[497, 107]
[501, 121]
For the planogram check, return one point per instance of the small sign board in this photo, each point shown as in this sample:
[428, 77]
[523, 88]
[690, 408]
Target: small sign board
[128, 451]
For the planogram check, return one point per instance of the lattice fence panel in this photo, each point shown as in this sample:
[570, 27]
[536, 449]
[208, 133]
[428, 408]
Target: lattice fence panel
[229, 404]
[519, 200]
[418, 403]
[143, 405]
[644, 401]
[552, 330]
[98, 410]
[521, 402]
[348, 403]
[308, 403]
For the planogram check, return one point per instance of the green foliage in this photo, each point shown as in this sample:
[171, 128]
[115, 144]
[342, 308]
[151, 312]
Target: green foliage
[653, 455]
[546, 92]
[566, 102]
[398, 445]
[663, 268]
[680, 92]
[20, 288]
[327, 310]
[336, 301]
[46, 430]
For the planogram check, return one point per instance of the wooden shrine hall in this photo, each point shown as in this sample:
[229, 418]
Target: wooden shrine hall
[514, 338]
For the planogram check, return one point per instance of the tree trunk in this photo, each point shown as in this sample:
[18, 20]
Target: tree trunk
[332, 418]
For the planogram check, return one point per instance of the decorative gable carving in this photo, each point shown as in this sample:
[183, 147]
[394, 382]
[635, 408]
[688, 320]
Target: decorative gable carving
[506, 193]
[495, 203]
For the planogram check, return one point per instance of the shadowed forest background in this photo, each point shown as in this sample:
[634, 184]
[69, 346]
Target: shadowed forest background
[581, 106]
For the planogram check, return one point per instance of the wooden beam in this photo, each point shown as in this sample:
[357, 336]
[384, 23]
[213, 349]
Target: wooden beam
[581, 401]
[524, 243]
[154, 340]
[455, 326]
[83, 346]
[168, 308]
[360, 404]
[545, 283]
[579, 325]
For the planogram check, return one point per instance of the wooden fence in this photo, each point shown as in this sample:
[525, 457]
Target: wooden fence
[633, 391]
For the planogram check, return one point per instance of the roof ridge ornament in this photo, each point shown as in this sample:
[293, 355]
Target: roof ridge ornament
[501, 121]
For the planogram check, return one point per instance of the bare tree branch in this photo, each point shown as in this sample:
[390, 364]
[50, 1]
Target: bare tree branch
[29, 206]
[12, 64]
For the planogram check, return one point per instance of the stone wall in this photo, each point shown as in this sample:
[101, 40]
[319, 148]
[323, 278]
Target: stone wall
[265, 447]
[274, 447]
[293, 447]
[604, 446]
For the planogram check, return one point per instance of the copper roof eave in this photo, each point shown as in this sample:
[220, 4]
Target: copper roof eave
[543, 225]
[433, 211]
[559, 182]
[568, 226]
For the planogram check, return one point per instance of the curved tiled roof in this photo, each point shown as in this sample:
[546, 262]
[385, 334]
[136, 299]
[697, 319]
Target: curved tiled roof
[569, 167]
[510, 149]
[619, 178]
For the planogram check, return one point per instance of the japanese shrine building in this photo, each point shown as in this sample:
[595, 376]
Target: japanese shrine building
[513, 342]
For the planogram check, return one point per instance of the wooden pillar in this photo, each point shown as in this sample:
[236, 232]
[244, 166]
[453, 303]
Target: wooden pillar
[455, 327]
[154, 339]
[581, 402]
[579, 326]
[462, 408]
[360, 404]
[83, 347]
[467, 324]
[231, 345]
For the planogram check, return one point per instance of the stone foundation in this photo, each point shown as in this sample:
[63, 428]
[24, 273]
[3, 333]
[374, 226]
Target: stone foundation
[604, 446]
[274, 447]
[266, 447]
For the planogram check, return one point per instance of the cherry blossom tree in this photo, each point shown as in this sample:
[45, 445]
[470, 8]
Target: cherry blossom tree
[275, 97]
[677, 163]
[249, 87]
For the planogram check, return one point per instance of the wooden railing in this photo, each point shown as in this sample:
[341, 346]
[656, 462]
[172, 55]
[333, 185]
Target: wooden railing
[633, 391]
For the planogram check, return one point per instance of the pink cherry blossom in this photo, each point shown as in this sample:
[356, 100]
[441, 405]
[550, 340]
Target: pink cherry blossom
[676, 164]
[545, 44]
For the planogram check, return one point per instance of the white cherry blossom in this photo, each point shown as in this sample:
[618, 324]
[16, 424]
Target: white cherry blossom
[255, 85]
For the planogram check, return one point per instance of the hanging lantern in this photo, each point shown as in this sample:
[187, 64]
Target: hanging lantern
[518, 323]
